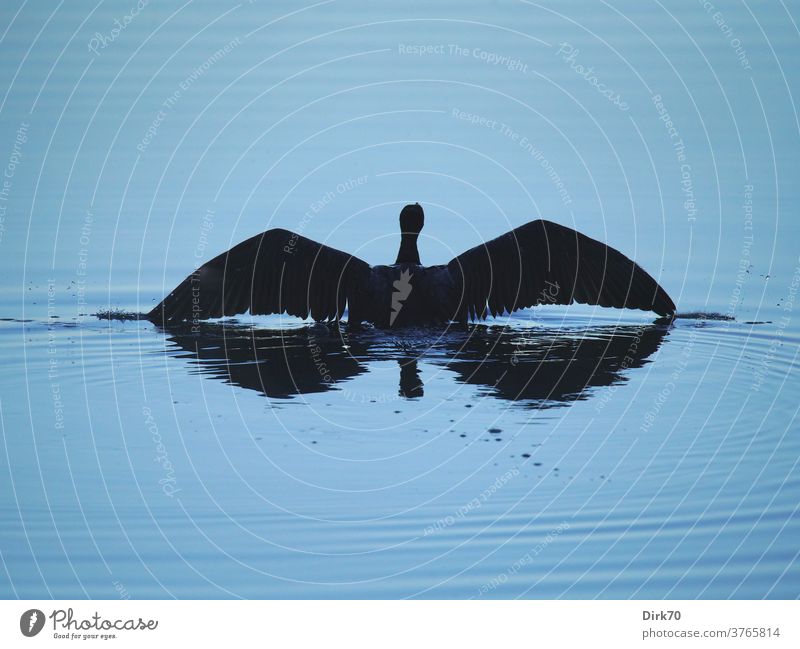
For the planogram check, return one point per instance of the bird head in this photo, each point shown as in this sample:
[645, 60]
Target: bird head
[412, 218]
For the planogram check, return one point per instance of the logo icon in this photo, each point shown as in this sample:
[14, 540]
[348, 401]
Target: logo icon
[402, 289]
[31, 622]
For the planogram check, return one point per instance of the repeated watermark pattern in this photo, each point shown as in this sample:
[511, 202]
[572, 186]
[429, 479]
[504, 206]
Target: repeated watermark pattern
[734, 41]
[82, 265]
[522, 141]
[206, 226]
[778, 336]
[168, 482]
[569, 54]
[679, 148]
[510, 63]
[53, 361]
[474, 504]
[170, 102]
[318, 205]
[122, 592]
[528, 559]
[627, 362]
[316, 356]
[745, 256]
[10, 170]
[101, 40]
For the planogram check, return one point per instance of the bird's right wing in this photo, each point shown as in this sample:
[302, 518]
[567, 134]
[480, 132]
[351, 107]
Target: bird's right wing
[277, 271]
[543, 262]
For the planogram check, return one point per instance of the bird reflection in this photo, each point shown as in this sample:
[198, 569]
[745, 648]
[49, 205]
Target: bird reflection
[411, 385]
[551, 367]
[533, 366]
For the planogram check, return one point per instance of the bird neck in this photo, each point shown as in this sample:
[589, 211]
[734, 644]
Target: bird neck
[408, 253]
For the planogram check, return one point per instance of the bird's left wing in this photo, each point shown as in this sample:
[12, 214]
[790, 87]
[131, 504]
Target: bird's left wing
[277, 271]
[543, 262]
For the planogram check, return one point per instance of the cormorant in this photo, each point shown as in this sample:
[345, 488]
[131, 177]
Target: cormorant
[540, 262]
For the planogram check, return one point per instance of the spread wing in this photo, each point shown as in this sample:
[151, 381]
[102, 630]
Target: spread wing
[545, 263]
[277, 271]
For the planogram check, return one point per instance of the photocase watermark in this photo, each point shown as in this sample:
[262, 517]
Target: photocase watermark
[401, 290]
[669, 387]
[678, 146]
[474, 504]
[168, 482]
[368, 397]
[195, 280]
[318, 205]
[67, 626]
[82, 266]
[786, 303]
[52, 358]
[31, 622]
[170, 102]
[122, 592]
[206, 226]
[526, 560]
[521, 141]
[316, 357]
[488, 57]
[627, 361]
[743, 269]
[548, 295]
[727, 31]
[787, 310]
[101, 41]
[195, 284]
[9, 171]
[744, 265]
[569, 54]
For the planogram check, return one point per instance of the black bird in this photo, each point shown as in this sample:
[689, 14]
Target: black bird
[540, 262]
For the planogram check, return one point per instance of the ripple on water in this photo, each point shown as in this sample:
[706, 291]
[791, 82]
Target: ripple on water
[609, 477]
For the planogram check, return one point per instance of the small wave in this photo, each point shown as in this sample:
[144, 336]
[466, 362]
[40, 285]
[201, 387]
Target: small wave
[703, 315]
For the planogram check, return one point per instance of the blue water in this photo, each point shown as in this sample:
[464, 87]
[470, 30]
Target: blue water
[573, 453]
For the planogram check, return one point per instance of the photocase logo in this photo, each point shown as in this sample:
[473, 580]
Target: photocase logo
[402, 289]
[67, 626]
[31, 622]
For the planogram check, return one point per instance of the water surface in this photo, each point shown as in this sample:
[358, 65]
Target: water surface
[574, 453]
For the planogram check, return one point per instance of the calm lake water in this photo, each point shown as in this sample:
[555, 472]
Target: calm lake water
[572, 453]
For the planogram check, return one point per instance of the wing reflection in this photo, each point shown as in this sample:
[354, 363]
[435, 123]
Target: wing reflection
[541, 367]
[550, 367]
[278, 363]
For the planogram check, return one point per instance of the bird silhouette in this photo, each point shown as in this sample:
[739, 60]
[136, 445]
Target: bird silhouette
[540, 262]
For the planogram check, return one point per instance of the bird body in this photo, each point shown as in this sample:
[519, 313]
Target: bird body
[540, 262]
[406, 295]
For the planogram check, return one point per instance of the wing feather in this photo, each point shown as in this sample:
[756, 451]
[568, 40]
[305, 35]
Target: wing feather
[277, 271]
[543, 262]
